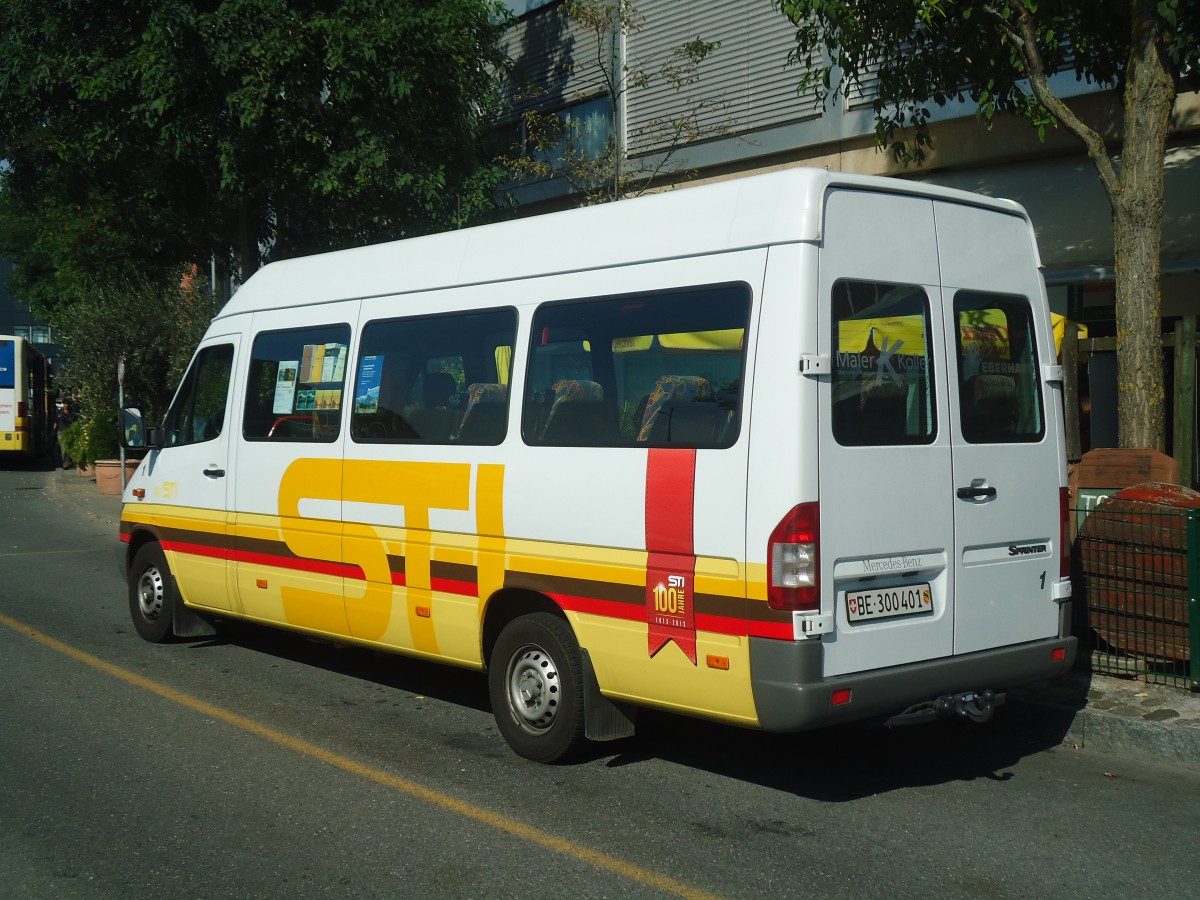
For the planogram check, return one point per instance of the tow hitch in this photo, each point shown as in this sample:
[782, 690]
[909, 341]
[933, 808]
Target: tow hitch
[976, 707]
[973, 706]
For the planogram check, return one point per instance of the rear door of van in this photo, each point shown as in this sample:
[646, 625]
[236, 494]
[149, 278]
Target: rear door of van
[1006, 425]
[939, 457]
[886, 458]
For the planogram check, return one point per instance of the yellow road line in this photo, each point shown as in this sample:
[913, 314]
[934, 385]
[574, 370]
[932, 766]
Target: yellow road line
[413, 789]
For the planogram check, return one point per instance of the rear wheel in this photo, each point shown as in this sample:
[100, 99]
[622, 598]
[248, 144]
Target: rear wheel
[535, 680]
[152, 594]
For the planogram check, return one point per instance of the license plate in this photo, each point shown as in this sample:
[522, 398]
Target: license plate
[887, 603]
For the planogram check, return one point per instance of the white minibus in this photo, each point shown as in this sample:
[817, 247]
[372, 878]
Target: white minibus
[782, 452]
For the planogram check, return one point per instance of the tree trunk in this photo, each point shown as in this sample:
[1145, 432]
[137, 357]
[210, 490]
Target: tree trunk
[1137, 234]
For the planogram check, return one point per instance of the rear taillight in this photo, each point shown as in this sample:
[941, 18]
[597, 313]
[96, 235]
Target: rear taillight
[1064, 534]
[792, 555]
[22, 409]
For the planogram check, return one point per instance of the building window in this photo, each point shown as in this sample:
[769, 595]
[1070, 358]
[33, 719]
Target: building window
[35, 334]
[568, 138]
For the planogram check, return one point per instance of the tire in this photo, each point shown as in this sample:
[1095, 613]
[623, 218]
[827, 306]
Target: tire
[152, 594]
[535, 680]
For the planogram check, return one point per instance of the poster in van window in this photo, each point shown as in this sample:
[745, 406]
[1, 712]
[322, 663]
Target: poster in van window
[366, 395]
[285, 387]
[328, 399]
[306, 399]
[890, 348]
[986, 347]
[8, 364]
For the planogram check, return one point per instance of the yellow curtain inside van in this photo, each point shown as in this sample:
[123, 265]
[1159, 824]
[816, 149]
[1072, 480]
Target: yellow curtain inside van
[856, 335]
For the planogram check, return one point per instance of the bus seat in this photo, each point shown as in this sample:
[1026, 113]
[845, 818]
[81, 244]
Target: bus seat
[989, 406]
[884, 411]
[437, 417]
[578, 416]
[869, 411]
[682, 409]
[485, 419]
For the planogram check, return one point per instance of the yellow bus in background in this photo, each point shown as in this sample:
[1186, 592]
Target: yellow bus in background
[26, 406]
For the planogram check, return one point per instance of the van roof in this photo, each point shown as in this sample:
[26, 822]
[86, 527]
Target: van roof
[741, 213]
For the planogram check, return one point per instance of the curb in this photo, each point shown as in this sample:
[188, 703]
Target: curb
[1152, 722]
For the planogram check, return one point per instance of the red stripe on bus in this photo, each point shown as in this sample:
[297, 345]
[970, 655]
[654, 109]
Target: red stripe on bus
[610, 609]
[779, 630]
[452, 586]
[721, 624]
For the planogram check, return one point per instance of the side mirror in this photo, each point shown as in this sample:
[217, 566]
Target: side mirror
[134, 433]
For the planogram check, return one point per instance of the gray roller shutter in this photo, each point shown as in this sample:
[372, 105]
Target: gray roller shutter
[744, 86]
[554, 63]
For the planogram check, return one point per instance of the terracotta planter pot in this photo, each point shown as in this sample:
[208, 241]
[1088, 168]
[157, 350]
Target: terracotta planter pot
[108, 474]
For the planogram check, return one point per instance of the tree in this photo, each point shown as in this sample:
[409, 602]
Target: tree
[154, 326]
[557, 146]
[142, 134]
[1002, 54]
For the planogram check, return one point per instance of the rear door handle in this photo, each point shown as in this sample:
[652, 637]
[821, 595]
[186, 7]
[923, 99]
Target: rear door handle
[976, 492]
[214, 472]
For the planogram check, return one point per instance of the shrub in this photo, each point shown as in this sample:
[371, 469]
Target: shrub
[103, 441]
[76, 442]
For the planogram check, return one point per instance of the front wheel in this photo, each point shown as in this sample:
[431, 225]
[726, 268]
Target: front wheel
[535, 680]
[151, 594]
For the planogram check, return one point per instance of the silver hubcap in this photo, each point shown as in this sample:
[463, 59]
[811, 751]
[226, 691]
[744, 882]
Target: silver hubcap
[533, 688]
[150, 593]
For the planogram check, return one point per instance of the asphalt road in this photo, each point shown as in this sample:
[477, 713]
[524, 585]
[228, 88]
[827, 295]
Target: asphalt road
[260, 764]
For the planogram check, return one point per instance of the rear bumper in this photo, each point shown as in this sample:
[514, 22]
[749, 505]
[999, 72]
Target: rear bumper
[791, 695]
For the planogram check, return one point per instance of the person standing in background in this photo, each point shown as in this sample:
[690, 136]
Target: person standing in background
[66, 415]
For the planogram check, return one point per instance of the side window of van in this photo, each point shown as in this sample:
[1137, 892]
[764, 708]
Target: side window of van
[198, 413]
[1000, 397]
[882, 365]
[640, 370]
[295, 385]
[435, 379]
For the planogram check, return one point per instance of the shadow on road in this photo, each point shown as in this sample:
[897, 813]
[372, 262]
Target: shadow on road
[836, 764]
[853, 761]
[449, 684]
[25, 464]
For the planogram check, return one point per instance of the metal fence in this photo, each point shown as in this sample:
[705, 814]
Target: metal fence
[1136, 573]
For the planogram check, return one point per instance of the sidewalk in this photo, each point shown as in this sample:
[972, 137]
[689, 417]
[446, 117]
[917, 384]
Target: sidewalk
[81, 491]
[1153, 722]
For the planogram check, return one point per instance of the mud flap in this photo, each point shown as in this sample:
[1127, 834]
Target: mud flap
[186, 623]
[603, 720]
